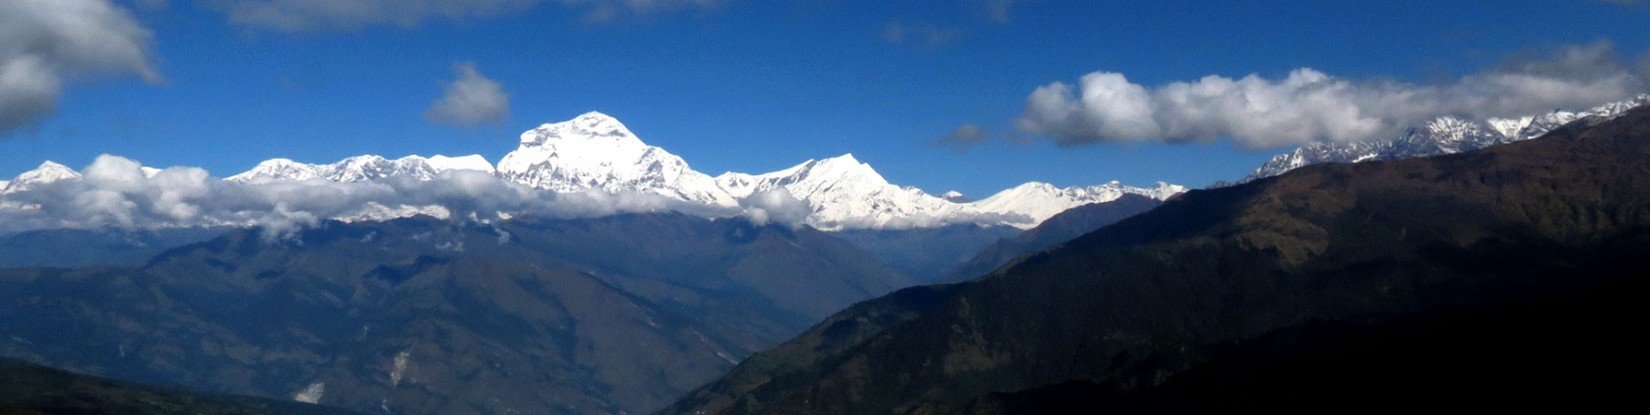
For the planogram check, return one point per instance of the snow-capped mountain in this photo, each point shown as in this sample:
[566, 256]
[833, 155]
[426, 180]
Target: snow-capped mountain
[1039, 200]
[846, 193]
[48, 172]
[596, 152]
[473, 162]
[1445, 135]
[362, 168]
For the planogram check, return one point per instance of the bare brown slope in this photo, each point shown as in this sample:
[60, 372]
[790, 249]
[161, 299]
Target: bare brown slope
[1137, 302]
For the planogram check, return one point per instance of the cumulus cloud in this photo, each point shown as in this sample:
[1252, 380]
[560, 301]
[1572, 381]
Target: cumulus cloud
[1309, 105]
[469, 100]
[962, 138]
[310, 15]
[775, 206]
[45, 44]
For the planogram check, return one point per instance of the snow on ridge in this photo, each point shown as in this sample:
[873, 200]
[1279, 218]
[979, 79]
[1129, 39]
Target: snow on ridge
[595, 154]
[1444, 135]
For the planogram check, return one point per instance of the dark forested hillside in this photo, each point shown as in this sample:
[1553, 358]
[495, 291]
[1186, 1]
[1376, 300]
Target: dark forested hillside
[1333, 288]
[28, 389]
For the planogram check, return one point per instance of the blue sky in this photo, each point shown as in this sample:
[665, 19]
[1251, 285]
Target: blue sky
[757, 86]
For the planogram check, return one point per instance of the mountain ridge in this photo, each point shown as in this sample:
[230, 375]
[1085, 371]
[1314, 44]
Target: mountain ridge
[1443, 135]
[1142, 300]
[616, 314]
[595, 153]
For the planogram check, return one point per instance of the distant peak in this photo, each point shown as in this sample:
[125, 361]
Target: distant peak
[844, 158]
[1035, 186]
[586, 127]
[278, 162]
[595, 116]
[49, 165]
[48, 171]
[364, 159]
[473, 162]
[845, 167]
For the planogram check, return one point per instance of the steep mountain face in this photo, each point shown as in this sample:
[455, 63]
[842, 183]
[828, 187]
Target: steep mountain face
[37, 390]
[425, 316]
[1060, 228]
[1390, 250]
[596, 152]
[48, 172]
[1447, 135]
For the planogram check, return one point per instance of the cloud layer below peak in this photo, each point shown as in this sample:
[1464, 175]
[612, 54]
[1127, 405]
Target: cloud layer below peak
[118, 192]
[1309, 105]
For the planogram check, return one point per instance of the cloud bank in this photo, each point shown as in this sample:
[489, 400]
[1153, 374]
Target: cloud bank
[469, 100]
[313, 15]
[116, 191]
[45, 44]
[1309, 105]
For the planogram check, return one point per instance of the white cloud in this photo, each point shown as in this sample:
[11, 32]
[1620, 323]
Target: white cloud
[309, 15]
[114, 192]
[776, 206]
[45, 44]
[471, 99]
[1308, 105]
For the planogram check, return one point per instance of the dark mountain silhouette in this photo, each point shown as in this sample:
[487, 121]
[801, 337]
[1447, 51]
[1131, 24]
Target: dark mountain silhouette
[1366, 283]
[29, 389]
[425, 316]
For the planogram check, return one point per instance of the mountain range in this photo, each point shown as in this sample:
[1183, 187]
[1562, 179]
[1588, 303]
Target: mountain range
[618, 314]
[1113, 297]
[1498, 279]
[1445, 135]
[596, 153]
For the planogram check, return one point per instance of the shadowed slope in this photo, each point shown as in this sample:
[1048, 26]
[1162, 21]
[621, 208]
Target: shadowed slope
[1136, 303]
